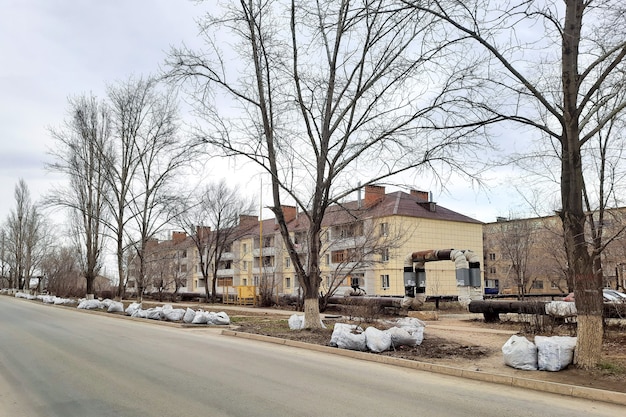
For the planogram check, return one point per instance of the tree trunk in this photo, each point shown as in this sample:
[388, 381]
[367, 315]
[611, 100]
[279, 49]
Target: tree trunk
[311, 313]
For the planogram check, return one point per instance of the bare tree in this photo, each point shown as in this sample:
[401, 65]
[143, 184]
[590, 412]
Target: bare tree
[5, 279]
[564, 81]
[516, 240]
[324, 95]
[61, 268]
[79, 155]
[130, 104]
[370, 245]
[24, 239]
[213, 220]
[159, 153]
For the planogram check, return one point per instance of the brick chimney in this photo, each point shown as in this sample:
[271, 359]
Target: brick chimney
[178, 237]
[202, 232]
[289, 212]
[374, 194]
[424, 196]
[246, 220]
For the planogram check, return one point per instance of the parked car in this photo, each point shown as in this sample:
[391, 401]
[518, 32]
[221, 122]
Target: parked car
[609, 295]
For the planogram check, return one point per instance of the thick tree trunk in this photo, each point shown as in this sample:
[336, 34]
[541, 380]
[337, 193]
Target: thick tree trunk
[312, 313]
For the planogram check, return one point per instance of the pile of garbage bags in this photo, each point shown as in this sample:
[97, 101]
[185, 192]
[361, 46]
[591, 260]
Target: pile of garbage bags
[406, 331]
[547, 353]
[168, 313]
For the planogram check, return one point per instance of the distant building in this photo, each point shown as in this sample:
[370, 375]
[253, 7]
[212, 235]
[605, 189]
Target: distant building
[528, 255]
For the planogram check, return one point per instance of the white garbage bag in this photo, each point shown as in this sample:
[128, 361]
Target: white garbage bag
[189, 315]
[139, 313]
[554, 353]
[520, 353]
[201, 317]
[352, 341]
[154, 313]
[296, 322]
[355, 339]
[377, 340]
[115, 307]
[132, 308]
[90, 305]
[174, 314]
[402, 337]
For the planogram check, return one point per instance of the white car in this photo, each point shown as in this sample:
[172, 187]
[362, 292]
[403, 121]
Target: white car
[609, 295]
[613, 296]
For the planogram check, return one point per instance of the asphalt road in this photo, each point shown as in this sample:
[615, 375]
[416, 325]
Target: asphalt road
[64, 362]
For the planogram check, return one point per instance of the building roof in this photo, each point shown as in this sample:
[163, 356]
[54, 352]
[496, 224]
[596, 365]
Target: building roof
[397, 203]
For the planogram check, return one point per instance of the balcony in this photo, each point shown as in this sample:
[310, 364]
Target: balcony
[269, 251]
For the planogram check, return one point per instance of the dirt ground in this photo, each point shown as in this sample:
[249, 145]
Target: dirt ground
[470, 343]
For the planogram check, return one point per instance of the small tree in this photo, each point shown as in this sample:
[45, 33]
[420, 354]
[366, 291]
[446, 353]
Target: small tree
[24, 243]
[212, 218]
[372, 245]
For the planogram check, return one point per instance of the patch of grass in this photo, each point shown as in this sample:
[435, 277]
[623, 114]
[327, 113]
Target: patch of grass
[611, 368]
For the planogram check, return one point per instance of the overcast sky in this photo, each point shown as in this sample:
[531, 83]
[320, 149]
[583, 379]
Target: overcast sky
[53, 49]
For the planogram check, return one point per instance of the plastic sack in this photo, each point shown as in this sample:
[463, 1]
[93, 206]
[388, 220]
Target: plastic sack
[554, 353]
[296, 322]
[402, 337]
[174, 314]
[132, 308]
[115, 307]
[89, 305]
[189, 315]
[221, 319]
[154, 313]
[352, 341]
[139, 313]
[377, 340]
[201, 317]
[520, 353]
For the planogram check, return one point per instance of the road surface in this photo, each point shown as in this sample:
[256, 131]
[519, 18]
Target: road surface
[64, 362]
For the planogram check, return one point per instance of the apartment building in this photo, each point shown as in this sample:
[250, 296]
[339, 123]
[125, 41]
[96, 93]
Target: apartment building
[365, 244]
[528, 256]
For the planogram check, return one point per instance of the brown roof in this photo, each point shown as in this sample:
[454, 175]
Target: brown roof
[397, 203]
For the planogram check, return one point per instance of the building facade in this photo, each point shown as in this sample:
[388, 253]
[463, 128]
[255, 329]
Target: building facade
[365, 245]
[528, 256]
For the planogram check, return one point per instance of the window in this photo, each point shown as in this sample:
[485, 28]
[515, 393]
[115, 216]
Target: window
[354, 281]
[245, 248]
[384, 229]
[287, 262]
[225, 282]
[200, 283]
[287, 282]
[244, 281]
[245, 265]
[553, 285]
[384, 281]
[492, 256]
[385, 255]
[538, 284]
[183, 254]
[328, 259]
[492, 270]
[338, 256]
[183, 268]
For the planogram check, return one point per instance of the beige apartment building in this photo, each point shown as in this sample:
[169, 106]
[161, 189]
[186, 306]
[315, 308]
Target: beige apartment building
[528, 255]
[365, 243]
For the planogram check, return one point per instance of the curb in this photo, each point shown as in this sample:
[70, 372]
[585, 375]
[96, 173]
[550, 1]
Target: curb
[594, 394]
